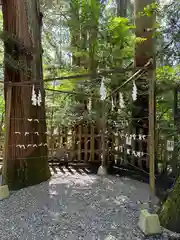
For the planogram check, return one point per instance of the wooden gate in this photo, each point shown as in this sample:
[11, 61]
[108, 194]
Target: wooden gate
[79, 143]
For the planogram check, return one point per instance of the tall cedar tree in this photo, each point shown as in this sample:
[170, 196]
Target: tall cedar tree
[22, 24]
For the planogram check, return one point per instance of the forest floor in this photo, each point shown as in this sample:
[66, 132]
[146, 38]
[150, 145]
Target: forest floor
[74, 204]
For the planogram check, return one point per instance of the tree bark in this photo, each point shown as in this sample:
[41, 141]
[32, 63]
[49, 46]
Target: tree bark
[27, 165]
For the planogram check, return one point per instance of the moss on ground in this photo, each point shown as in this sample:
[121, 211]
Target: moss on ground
[170, 212]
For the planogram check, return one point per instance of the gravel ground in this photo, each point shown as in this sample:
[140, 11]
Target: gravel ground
[75, 205]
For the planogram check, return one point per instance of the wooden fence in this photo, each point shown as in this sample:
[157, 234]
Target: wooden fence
[83, 144]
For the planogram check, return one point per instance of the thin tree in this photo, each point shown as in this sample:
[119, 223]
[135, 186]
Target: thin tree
[27, 161]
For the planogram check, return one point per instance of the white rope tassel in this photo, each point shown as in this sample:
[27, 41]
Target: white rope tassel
[134, 92]
[121, 100]
[39, 99]
[102, 90]
[33, 98]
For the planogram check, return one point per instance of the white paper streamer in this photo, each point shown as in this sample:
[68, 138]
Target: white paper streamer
[128, 151]
[170, 146]
[90, 104]
[39, 99]
[121, 148]
[134, 136]
[33, 98]
[36, 120]
[134, 92]
[121, 100]
[128, 141]
[55, 131]
[21, 146]
[134, 153]
[102, 90]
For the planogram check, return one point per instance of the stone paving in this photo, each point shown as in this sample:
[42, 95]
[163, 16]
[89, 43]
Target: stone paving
[75, 205]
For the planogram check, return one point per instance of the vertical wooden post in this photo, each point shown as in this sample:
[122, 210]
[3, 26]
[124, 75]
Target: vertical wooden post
[79, 143]
[164, 155]
[134, 142]
[125, 131]
[6, 136]
[103, 168]
[52, 140]
[86, 143]
[92, 143]
[103, 141]
[152, 77]
[59, 137]
[141, 149]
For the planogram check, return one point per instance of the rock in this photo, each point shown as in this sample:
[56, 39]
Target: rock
[102, 171]
[4, 192]
[149, 223]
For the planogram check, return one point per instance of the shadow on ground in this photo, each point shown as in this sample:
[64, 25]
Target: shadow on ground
[75, 204]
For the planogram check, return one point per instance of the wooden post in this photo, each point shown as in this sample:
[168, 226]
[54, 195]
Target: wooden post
[79, 143]
[103, 168]
[85, 137]
[6, 136]
[92, 143]
[103, 141]
[152, 77]
[59, 137]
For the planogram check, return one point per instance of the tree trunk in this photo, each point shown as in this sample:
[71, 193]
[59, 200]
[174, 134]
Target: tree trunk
[122, 8]
[75, 30]
[170, 212]
[27, 165]
[144, 51]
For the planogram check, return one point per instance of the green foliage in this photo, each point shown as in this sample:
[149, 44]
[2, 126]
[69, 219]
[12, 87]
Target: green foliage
[97, 38]
[151, 8]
